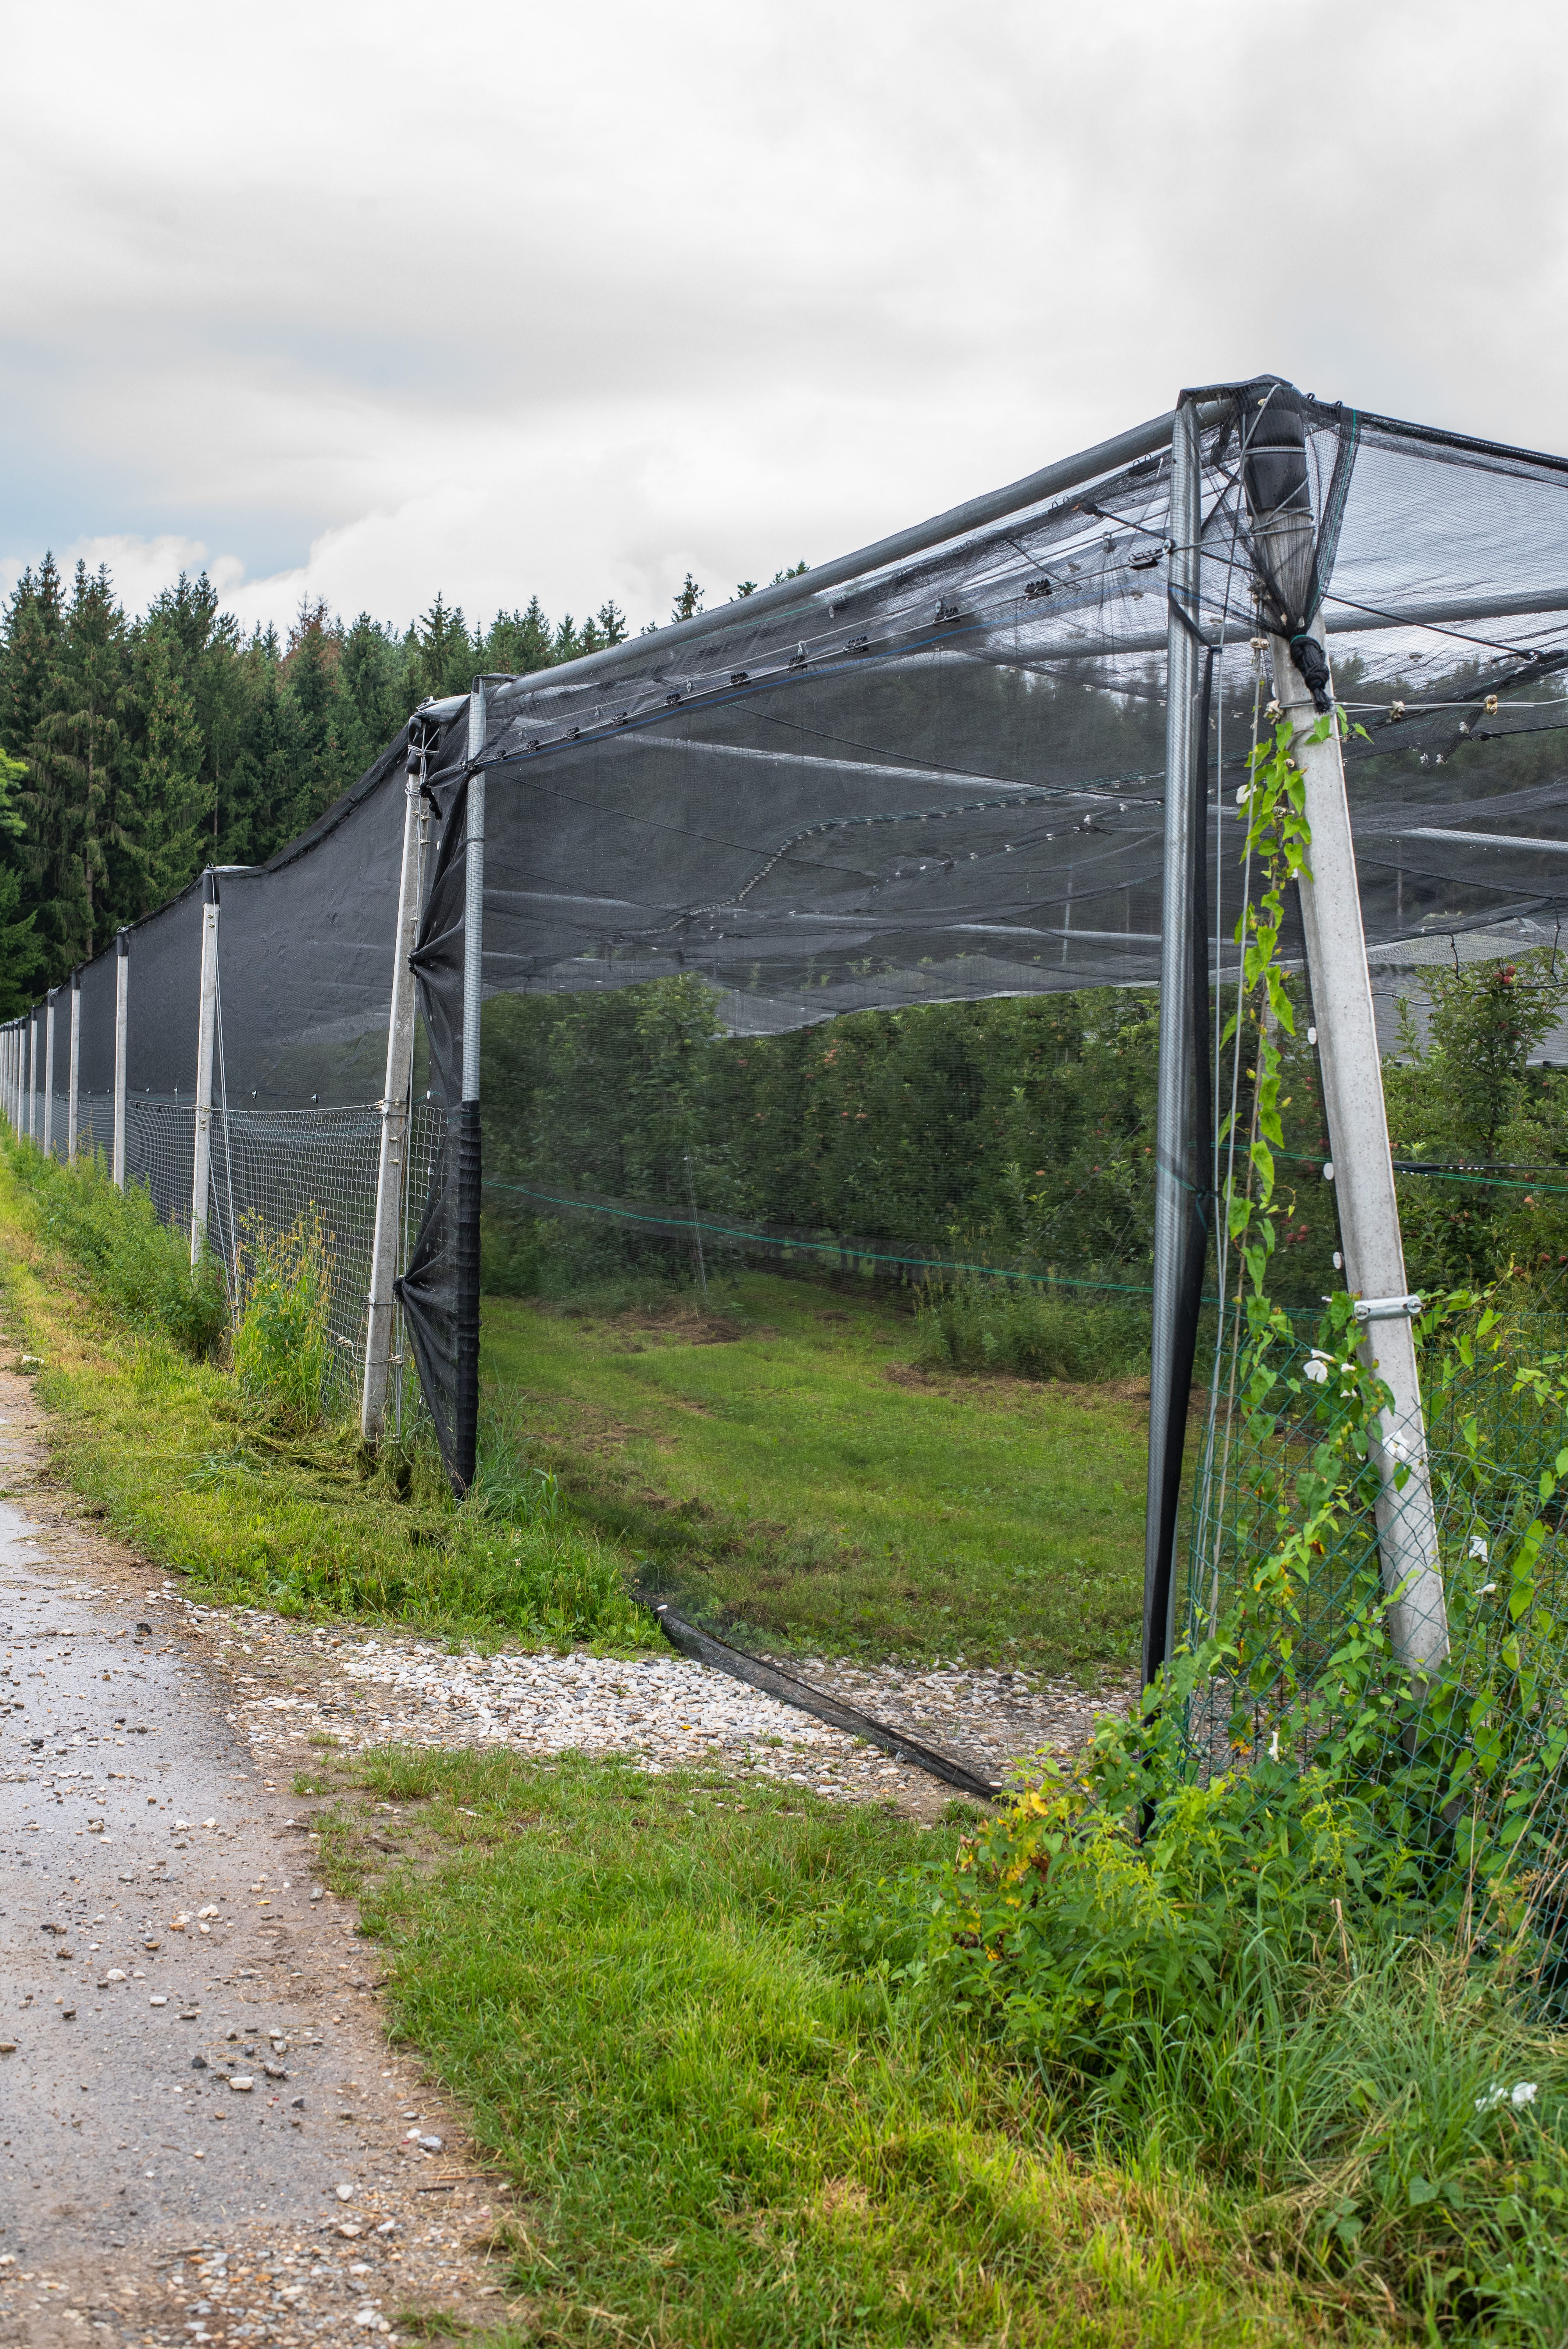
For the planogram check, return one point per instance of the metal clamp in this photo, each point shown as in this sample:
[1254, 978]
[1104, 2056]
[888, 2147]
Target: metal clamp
[1387, 1309]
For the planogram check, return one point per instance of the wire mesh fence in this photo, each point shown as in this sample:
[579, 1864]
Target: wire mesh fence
[272, 1174]
[1300, 1559]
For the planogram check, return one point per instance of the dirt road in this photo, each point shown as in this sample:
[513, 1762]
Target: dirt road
[203, 2134]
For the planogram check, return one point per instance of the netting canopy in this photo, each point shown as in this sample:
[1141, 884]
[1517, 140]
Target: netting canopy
[933, 772]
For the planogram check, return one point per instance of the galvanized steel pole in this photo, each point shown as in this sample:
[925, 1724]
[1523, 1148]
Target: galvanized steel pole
[474, 898]
[469, 1167]
[1174, 1116]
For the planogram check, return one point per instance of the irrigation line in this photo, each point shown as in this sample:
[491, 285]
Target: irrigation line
[676, 1225]
[704, 1648]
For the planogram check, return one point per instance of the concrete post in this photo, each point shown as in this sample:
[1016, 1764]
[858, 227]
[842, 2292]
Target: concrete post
[390, 1167]
[206, 1036]
[74, 1079]
[121, 1046]
[49, 1072]
[1363, 1175]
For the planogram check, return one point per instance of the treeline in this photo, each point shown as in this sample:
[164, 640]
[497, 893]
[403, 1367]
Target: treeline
[137, 748]
[133, 750]
[1017, 1133]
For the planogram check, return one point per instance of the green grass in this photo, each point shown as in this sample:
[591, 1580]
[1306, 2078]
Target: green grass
[805, 1482]
[254, 1503]
[719, 2134]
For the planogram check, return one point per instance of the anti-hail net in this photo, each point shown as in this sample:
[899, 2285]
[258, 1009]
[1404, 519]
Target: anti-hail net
[820, 936]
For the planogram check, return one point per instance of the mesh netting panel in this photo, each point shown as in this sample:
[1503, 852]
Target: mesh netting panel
[276, 1171]
[160, 1152]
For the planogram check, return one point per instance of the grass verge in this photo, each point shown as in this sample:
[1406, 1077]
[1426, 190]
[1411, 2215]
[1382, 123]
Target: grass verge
[789, 1468]
[255, 1504]
[719, 2132]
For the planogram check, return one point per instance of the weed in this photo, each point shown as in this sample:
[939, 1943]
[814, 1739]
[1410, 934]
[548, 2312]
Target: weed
[282, 1341]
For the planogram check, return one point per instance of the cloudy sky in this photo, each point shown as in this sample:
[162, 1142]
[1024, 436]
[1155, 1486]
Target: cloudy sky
[362, 302]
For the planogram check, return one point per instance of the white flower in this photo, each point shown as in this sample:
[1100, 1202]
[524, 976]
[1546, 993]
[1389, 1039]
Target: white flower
[1479, 1549]
[1243, 795]
[1274, 1747]
[1521, 2092]
[1316, 1370]
[1487, 1590]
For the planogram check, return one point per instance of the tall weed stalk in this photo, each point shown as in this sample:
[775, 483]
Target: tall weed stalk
[283, 1335]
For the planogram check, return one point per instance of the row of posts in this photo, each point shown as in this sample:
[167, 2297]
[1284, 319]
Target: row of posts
[28, 1088]
[28, 1049]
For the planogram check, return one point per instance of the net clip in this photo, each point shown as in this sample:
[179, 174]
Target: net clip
[1387, 1309]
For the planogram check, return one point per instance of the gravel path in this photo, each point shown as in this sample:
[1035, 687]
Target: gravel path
[204, 2136]
[293, 1685]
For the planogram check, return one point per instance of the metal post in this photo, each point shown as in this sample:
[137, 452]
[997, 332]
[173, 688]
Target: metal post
[1363, 1178]
[74, 1079]
[474, 899]
[1174, 1116]
[395, 1103]
[49, 1072]
[470, 1171]
[206, 1035]
[121, 1041]
[33, 1078]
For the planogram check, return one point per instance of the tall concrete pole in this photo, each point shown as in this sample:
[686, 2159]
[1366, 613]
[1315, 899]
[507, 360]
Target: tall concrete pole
[390, 1167]
[49, 1072]
[73, 1091]
[206, 1037]
[1363, 1177]
[121, 1050]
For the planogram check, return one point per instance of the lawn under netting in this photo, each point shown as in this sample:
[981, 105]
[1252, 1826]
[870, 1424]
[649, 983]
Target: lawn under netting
[785, 1461]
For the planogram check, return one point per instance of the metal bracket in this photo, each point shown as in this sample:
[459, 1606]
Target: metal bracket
[1387, 1309]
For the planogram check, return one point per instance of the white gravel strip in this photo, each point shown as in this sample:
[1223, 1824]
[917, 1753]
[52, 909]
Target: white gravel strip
[661, 1713]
